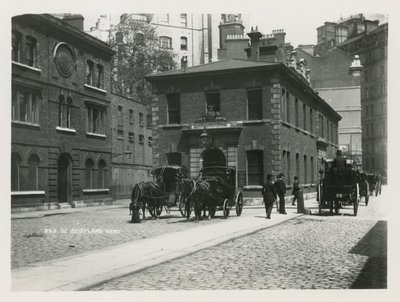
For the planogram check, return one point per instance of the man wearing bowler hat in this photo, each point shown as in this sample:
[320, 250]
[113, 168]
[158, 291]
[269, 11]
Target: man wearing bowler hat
[280, 187]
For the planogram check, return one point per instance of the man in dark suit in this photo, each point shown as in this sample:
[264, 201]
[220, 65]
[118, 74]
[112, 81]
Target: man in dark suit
[339, 161]
[269, 195]
[295, 190]
[280, 188]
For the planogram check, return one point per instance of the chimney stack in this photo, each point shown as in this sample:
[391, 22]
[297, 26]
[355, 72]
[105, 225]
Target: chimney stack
[75, 20]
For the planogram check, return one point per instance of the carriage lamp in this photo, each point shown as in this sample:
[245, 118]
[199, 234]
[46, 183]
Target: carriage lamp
[205, 138]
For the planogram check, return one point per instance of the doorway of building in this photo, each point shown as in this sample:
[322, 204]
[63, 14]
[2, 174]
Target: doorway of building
[64, 178]
[213, 158]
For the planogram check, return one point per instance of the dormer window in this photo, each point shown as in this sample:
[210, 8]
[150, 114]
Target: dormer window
[30, 51]
[16, 46]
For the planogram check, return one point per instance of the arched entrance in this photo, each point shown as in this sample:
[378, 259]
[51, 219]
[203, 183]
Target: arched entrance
[213, 158]
[64, 178]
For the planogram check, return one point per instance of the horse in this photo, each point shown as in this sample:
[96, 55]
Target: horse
[202, 198]
[146, 193]
[187, 188]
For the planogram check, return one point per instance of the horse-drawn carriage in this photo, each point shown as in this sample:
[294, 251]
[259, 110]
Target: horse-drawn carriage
[167, 190]
[222, 193]
[338, 187]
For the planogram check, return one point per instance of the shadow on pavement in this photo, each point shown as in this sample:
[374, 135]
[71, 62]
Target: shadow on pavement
[373, 245]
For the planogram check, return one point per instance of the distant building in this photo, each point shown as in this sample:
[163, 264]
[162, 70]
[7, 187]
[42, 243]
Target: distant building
[194, 37]
[372, 48]
[61, 137]
[331, 76]
[262, 117]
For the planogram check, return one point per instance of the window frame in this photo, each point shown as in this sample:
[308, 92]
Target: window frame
[184, 43]
[254, 105]
[165, 42]
[255, 177]
[89, 164]
[100, 121]
[90, 73]
[30, 51]
[16, 46]
[173, 108]
[28, 98]
[210, 100]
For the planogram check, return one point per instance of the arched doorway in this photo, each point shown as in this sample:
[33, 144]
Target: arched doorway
[64, 178]
[213, 158]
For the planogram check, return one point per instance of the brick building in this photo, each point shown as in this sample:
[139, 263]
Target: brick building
[132, 145]
[263, 117]
[61, 138]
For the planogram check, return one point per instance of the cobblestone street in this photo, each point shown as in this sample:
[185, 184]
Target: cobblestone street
[309, 252]
[50, 237]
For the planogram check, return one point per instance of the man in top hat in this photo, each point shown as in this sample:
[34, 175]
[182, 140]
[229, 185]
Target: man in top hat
[280, 188]
[339, 161]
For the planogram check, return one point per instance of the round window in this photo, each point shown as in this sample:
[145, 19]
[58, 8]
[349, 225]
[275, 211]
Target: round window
[65, 59]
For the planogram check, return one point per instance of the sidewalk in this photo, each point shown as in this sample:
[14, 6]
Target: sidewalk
[83, 271]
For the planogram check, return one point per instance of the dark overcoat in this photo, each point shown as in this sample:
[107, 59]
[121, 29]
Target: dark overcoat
[268, 192]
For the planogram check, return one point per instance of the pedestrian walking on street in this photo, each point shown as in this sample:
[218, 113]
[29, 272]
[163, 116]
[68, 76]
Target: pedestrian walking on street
[280, 188]
[295, 190]
[269, 195]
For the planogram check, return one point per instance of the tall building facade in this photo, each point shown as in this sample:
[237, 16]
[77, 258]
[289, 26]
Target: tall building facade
[61, 138]
[372, 48]
[193, 37]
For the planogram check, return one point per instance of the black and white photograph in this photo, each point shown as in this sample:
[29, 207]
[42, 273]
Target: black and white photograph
[200, 150]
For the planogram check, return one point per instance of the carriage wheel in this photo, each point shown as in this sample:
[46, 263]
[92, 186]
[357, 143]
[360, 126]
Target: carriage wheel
[239, 203]
[226, 208]
[356, 200]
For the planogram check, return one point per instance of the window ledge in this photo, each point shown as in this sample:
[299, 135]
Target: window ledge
[96, 135]
[95, 88]
[24, 193]
[26, 124]
[62, 129]
[95, 190]
[171, 126]
[27, 66]
[253, 187]
[254, 122]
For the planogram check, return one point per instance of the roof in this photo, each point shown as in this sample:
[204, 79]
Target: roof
[50, 21]
[223, 66]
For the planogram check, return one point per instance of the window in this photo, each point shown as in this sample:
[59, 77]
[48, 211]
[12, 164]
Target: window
[212, 99]
[150, 141]
[101, 173]
[304, 118]
[25, 106]
[255, 167]
[321, 126]
[184, 20]
[312, 169]
[100, 77]
[174, 110]
[130, 116]
[64, 112]
[95, 120]
[141, 124]
[148, 120]
[288, 167]
[141, 139]
[33, 172]
[287, 107]
[165, 18]
[311, 121]
[30, 51]
[131, 136]
[16, 46]
[183, 43]
[120, 134]
[89, 73]
[15, 169]
[69, 111]
[120, 123]
[174, 158]
[283, 105]
[89, 174]
[166, 42]
[296, 111]
[305, 170]
[254, 103]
